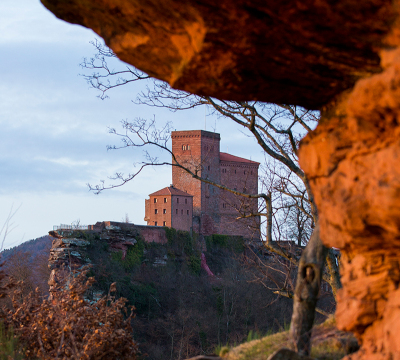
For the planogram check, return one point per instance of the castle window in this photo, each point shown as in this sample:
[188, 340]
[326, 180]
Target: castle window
[155, 211]
[185, 201]
[251, 173]
[176, 212]
[165, 200]
[244, 172]
[155, 223]
[164, 211]
[188, 147]
[164, 223]
[181, 212]
[224, 205]
[177, 200]
[155, 200]
[187, 212]
[235, 171]
[208, 167]
[183, 147]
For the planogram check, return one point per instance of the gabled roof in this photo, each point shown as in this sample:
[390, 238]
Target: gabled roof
[228, 157]
[170, 190]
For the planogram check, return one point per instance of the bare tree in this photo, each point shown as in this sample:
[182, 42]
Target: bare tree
[7, 226]
[287, 202]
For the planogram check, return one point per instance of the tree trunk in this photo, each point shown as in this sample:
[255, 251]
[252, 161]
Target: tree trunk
[306, 294]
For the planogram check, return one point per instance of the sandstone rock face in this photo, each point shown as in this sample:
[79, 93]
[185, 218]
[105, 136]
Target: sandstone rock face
[353, 161]
[70, 254]
[295, 52]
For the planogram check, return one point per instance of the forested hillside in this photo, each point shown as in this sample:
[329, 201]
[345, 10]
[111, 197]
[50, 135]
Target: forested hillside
[181, 309]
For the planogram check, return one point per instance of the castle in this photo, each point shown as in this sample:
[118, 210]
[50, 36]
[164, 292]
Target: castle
[189, 204]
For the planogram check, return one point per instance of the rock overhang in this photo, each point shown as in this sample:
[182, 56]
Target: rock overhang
[294, 52]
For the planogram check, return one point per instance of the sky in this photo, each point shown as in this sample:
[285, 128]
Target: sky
[54, 130]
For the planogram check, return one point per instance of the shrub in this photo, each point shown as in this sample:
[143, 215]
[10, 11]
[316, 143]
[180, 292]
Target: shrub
[233, 243]
[69, 326]
[132, 258]
[195, 264]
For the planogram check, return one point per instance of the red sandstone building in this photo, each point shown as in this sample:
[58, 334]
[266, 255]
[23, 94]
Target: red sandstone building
[170, 207]
[215, 211]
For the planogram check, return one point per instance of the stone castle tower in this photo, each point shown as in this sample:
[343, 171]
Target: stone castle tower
[215, 211]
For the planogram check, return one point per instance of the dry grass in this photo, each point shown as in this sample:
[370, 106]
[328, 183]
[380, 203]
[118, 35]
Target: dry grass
[328, 344]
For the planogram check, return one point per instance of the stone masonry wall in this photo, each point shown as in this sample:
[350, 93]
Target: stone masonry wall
[199, 150]
[242, 177]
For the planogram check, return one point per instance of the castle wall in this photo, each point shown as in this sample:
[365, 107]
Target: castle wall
[150, 233]
[214, 210]
[199, 151]
[162, 205]
[182, 213]
[153, 234]
[243, 177]
[170, 207]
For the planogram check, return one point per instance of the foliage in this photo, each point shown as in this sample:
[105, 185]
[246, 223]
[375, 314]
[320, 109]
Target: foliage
[253, 335]
[170, 233]
[195, 264]
[133, 256]
[70, 326]
[9, 345]
[179, 240]
[234, 243]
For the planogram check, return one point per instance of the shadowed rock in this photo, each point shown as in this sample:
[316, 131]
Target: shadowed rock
[294, 52]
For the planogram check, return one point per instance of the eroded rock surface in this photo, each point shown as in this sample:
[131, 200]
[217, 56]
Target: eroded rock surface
[295, 52]
[69, 254]
[353, 161]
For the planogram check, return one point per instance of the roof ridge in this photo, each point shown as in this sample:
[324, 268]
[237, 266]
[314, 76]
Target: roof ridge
[234, 158]
[168, 191]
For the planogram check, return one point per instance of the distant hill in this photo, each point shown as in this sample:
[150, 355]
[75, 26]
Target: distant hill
[34, 247]
[28, 262]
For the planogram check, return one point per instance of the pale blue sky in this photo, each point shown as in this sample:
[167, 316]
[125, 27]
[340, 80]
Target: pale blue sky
[54, 129]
